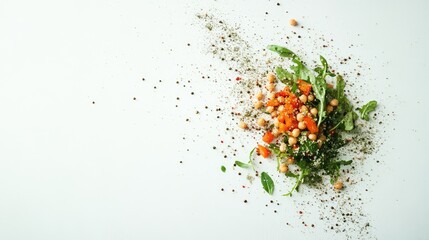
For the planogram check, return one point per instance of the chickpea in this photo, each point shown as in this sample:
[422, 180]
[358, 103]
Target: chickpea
[293, 22]
[322, 138]
[329, 108]
[272, 96]
[258, 104]
[281, 108]
[281, 99]
[338, 185]
[291, 160]
[274, 114]
[275, 132]
[334, 102]
[302, 125]
[304, 109]
[270, 87]
[242, 125]
[314, 111]
[271, 77]
[270, 109]
[276, 122]
[283, 168]
[259, 96]
[292, 140]
[300, 117]
[261, 122]
[310, 98]
[312, 137]
[296, 132]
[283, 147]
[303, 98]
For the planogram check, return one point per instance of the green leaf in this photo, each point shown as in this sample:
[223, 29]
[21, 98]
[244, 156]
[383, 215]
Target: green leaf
[299, 181]
[267, 183]
[319, 89]
[283, 75]
[290, 174]
[282, 51]
[366, 109]
[242, 164]
[223, 168]
[325, 70]
[349, 120]
[340, 88]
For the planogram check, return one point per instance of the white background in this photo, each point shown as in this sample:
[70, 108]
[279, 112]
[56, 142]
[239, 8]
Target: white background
[70, 169]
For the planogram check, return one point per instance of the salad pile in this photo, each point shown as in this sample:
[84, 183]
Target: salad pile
[304, 123]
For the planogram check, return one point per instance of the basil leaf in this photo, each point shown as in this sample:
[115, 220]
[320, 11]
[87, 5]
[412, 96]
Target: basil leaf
[267, 183]
[223, 168]
[242, 164]
[366, 109]
[282, 51]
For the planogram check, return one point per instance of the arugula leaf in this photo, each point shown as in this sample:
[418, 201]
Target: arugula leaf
[290, 174]
[325, 71]
[242, 164]
[319, 89]
[282, 51]
[283, 75]
[366, 109]
[340, 88]
[349, 120]
[267, 183]
[223, 168]
[299, 181]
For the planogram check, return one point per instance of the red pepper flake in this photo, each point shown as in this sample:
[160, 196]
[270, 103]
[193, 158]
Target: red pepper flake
[300, 212]
[221, 141]
[238, 78]
[243, 186]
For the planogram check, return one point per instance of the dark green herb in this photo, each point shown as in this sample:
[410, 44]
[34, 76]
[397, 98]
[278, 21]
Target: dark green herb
[267, 183]
[223, 168]
[366, 109]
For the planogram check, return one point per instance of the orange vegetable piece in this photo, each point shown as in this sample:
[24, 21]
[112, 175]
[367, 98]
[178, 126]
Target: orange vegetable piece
[291, 122]
[268, 137]
[311, 124]
[282, 128]
[281, 117]
[281, 93]
[288, 108]
[263, 151]
[273, 103]
[304, 87]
